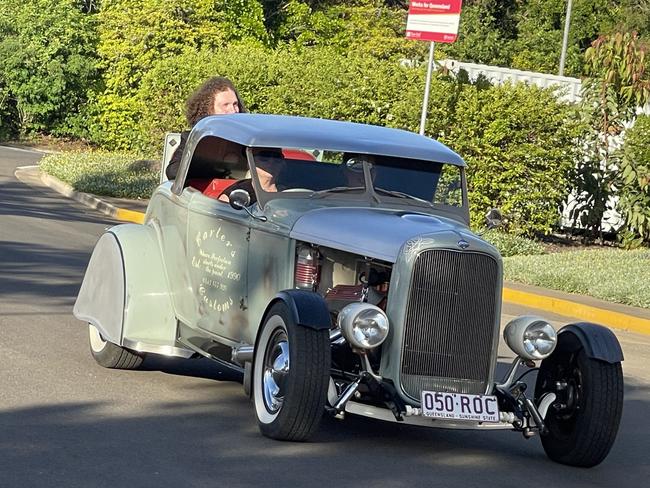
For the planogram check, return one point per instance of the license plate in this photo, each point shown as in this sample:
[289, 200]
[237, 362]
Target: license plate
[460, 406]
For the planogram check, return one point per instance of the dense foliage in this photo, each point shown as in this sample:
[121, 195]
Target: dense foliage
[47, 65]
[617, 84]
[634, 182]
[527, 34]
[518, 143]
[135, 35]
[117, 72]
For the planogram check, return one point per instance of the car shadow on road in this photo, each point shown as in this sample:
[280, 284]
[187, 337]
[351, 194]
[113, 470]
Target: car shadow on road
[195, 367]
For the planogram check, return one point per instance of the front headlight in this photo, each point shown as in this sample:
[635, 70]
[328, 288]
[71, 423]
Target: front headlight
[530, 337]
[364, 326]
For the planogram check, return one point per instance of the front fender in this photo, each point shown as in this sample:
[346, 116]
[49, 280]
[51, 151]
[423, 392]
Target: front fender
[597, 341]
[308, 308]
[125, 292]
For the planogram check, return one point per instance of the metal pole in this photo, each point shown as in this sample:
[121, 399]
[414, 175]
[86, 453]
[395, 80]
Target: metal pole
[565, 39]
[427, 86]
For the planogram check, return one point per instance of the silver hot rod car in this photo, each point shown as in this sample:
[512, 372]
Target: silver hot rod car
[332, 263]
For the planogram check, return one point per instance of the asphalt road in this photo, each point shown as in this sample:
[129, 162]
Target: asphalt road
[65, 421]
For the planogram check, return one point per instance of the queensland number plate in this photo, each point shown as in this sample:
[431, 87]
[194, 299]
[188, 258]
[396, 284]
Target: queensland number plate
[460, 406]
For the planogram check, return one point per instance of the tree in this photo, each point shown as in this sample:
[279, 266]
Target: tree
[47, 63]
[633, 183]
[373, 27]
[541, 26]
[616, 85]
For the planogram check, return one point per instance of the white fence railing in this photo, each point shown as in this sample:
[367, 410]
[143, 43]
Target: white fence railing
[568, 88]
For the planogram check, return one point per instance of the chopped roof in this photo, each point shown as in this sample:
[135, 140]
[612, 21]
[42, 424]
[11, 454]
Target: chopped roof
[260, 130]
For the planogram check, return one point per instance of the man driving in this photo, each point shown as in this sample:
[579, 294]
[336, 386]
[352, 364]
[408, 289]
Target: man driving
[268, 164]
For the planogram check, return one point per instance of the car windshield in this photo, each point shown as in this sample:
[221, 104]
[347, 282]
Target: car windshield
[325, 174]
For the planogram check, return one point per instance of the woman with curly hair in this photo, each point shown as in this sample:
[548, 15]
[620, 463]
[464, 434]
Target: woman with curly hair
[216, 96]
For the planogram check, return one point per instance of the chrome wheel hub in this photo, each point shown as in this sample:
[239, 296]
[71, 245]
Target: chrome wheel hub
[275, 372]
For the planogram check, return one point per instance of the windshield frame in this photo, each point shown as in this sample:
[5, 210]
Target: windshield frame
[368, 197]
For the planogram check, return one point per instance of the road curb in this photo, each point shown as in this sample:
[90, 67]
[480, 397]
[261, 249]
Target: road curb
[588, 313]
[539, 301]
[117, 213]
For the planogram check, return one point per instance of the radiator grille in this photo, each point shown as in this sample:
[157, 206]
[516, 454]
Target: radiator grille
[450, 320]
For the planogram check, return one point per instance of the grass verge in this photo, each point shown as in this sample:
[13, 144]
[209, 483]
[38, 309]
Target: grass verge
[103, 173]
[609, 274]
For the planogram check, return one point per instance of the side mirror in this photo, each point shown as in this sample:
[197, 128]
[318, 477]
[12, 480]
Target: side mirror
[239, 199]
[493, 218]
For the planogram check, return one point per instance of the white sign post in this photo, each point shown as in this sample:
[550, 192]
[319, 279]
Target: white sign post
[434, 21]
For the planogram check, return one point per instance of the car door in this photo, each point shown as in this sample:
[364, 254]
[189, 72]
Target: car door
[217, 258]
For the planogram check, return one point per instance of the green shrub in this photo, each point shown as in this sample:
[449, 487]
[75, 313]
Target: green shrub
[518, 144]
[136, 35]
[618, 82]
[509, 245]
[316, 82]
[634, 182]
[515, 138]
[102, 173]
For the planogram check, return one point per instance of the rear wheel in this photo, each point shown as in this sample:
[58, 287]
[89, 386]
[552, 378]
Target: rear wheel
[583, 421]
[290, 376]
[111, 355]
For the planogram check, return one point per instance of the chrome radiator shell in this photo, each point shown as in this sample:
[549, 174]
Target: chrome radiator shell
[446, 333]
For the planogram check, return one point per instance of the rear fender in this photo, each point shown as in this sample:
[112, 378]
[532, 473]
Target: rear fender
[100, 301]
[125, 293]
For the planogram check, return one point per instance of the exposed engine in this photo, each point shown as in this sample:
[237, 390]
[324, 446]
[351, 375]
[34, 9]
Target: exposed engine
[341, 277]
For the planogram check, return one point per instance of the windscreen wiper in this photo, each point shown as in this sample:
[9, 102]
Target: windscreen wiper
[400, 194]
[336, 189]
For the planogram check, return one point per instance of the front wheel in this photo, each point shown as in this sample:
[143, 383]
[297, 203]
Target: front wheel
[290, 376]
[111, 355]
[583, 421]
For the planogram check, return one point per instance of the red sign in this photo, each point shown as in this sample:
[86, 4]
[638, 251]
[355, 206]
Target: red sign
[433, 20]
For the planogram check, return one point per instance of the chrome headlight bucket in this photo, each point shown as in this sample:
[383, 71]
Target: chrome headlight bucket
[530, 337]
[364, 326]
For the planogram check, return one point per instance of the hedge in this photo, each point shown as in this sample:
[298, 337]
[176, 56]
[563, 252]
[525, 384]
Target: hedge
[516, 139]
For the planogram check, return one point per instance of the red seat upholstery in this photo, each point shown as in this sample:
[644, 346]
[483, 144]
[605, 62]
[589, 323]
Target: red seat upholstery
[298, 154]
[198, 183]
[217, 186]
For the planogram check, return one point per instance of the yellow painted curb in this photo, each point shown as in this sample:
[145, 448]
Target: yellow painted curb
[129, 216]
[588, 313]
